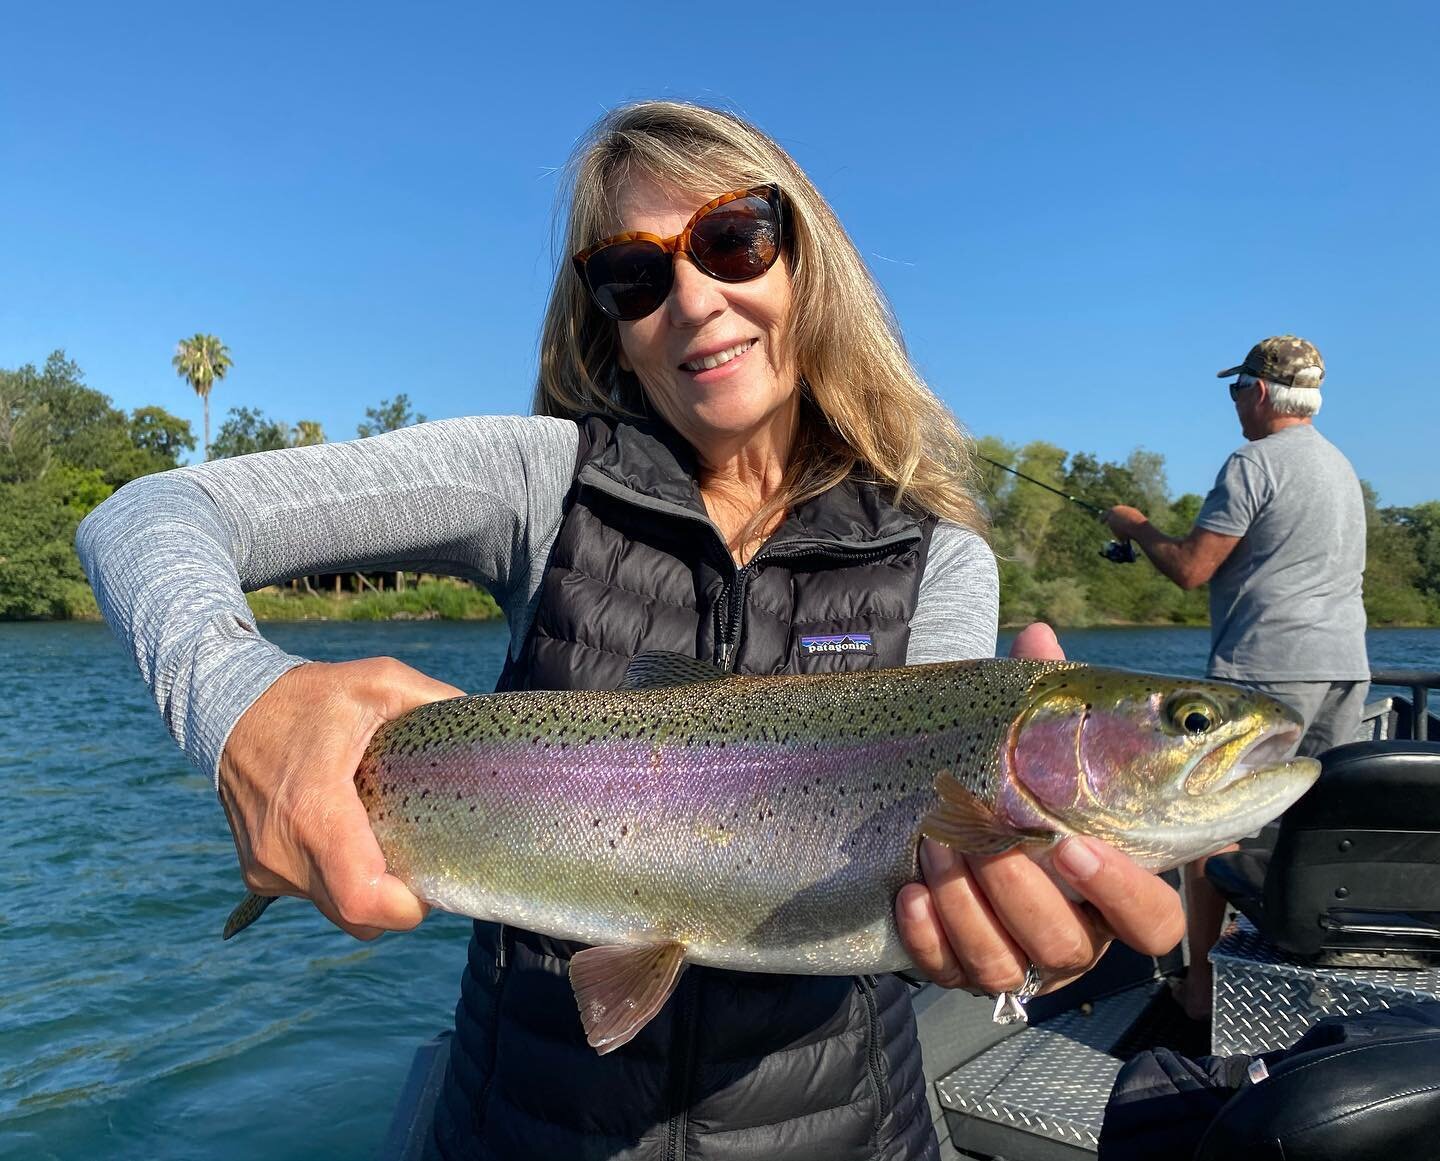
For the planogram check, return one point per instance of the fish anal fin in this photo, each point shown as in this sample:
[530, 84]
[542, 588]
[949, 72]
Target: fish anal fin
[246, 912]
[965, 822]
[658, 668]
[619, 989]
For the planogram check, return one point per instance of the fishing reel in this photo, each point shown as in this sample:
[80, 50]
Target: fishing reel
[1119, 552]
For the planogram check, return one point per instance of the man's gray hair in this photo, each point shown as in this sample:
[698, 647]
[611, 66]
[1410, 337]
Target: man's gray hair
[1301, 399]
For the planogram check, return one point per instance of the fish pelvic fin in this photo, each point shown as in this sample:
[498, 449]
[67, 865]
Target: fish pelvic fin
[965, 822]
[619, 989]
[249, 909]
[658, 668]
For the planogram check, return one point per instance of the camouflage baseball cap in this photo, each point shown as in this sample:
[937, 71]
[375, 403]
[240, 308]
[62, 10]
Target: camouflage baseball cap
[1278, 360]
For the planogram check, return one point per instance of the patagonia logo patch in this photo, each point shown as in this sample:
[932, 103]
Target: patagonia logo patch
[837, 643]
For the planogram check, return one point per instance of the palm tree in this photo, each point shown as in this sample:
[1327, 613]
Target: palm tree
[201, 359]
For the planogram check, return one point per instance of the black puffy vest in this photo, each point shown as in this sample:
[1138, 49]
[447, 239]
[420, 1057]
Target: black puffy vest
[737, 1064]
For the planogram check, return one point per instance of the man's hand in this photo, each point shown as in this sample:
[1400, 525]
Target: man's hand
[977, 922]
[287, 782]
[1125, 521]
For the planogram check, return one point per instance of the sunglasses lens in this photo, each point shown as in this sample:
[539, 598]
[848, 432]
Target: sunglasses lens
[629, 279]
[738, 240]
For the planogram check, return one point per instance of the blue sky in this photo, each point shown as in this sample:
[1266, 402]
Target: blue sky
[1079, 212]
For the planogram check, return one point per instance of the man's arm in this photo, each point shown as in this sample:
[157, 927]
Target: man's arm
[1190, 561]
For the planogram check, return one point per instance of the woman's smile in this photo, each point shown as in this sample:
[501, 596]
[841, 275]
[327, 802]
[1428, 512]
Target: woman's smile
[702, 363]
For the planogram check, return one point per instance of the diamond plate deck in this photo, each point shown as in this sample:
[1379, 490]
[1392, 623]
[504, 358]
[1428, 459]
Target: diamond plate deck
[1052, 1079]
[1264, 1000]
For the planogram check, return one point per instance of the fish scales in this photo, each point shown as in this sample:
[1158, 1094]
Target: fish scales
[682, 813]
[767, 823]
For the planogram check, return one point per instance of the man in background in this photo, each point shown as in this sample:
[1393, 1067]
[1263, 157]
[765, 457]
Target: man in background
[1281, 540]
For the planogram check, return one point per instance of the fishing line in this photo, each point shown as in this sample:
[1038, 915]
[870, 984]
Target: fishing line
[1117, 551]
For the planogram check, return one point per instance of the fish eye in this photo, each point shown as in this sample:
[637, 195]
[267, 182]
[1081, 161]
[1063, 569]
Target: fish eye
[1192, 714]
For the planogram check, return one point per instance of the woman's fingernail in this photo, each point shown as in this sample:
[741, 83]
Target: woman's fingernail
[936, 858]
[913, 904]
[1076, 858]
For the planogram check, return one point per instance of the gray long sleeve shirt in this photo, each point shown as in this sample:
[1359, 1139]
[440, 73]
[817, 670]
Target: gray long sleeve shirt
[171, 556]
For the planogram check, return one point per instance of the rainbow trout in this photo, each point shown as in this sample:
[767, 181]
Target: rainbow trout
[767, 823]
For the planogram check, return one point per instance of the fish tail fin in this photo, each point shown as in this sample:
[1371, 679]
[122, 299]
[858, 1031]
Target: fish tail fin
[619, 989]
[249, 909]
[965, 822]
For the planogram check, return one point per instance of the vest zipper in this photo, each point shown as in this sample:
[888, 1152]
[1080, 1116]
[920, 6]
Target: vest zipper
[730, 607]
[729, 612]
[682, 1056]
[874, 1054]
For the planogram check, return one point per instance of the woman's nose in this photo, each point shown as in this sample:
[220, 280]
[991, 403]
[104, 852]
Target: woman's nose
[694, 295]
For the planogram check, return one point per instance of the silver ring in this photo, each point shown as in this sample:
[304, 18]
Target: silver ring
[1010, 1006]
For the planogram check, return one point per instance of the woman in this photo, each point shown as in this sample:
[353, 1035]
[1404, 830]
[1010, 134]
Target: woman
[734, 459]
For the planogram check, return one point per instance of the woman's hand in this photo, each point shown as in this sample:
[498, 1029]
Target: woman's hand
[976, 922]
[287, 782]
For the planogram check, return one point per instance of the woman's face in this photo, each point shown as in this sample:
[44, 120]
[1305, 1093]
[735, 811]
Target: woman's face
[713, 358]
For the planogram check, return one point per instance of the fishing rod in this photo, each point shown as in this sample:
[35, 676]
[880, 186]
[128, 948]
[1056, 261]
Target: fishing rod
[1117, 551]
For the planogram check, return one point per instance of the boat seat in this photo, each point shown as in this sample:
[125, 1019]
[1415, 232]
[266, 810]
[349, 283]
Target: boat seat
[1372, 1100]
[1355, 871]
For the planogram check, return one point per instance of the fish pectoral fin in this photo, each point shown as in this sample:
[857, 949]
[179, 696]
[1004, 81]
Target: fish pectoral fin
[249, 909]
[619, 989]
[657, 668]
[963, 821]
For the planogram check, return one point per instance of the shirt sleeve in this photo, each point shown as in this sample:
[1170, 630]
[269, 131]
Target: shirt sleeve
[1241, 490]
[170, 556]
[958, 609]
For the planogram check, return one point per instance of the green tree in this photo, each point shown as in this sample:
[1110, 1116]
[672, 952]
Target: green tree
[51, 416]
[391, 415]
[308, 432]
[1421, 524]
[1183, 514]
[248, 430]
[156, 432]
[200, 360]
[1392, 568]
[24, 427]
[40, 575]
[1147, 477]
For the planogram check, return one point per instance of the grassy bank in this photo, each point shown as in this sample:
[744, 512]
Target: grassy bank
[431, 600]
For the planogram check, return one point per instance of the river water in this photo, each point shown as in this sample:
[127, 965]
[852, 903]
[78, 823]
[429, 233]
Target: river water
[127, 1029]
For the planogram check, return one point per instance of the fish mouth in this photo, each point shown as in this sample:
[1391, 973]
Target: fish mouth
[1276, 749]
[1270, 753]
[1261, 783]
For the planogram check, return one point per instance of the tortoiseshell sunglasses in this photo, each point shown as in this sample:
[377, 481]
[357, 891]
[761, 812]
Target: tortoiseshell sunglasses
[734, 238]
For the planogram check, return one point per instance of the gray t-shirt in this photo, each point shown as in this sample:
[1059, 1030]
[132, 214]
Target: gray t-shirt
[1286, 604]
[171, 556]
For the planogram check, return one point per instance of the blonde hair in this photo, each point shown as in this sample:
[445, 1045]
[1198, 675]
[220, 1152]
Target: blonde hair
[864, 408]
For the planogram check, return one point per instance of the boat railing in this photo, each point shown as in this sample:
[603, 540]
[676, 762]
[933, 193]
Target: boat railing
[1419, 682]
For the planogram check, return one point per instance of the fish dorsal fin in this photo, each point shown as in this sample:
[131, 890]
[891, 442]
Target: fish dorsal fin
[962, 821]
[658, 668]
[619, 989]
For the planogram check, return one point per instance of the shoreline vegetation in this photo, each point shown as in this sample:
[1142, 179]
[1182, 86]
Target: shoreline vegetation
[441, 599]
[64, 448]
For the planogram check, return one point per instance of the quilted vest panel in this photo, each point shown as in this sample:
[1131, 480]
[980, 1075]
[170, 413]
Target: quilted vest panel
[737, 1064]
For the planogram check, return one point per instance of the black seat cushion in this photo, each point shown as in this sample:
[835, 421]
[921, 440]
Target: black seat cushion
[1363, 845]
[1363, 1099]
